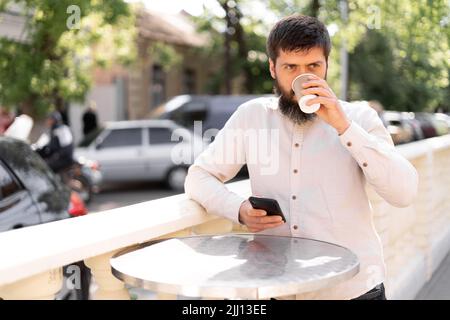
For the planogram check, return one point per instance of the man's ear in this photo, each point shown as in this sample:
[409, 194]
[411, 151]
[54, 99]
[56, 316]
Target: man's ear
[272, 68]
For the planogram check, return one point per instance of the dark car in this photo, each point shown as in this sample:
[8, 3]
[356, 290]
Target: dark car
[212, 110]
[31, 194]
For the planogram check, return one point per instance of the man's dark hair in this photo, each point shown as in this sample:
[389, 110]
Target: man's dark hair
[298, 33]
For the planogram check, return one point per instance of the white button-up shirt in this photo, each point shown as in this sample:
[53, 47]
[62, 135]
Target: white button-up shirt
[317, 176]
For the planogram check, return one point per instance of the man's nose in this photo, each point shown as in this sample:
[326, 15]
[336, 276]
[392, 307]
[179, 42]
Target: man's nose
[302, 70]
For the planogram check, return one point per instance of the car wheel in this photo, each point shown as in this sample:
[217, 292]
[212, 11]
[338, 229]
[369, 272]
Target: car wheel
[176, 177]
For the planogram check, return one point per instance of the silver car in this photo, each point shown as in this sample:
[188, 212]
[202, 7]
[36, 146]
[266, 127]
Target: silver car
[144, 150]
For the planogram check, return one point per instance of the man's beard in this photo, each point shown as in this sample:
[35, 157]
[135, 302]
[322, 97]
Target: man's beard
[289, 107]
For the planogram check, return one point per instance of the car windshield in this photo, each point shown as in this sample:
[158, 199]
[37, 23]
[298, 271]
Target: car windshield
[87, 140]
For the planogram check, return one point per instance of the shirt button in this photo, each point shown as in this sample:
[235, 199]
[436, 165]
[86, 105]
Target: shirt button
[295, 170]
[296, 145]
[294, 197]
[349, 144]
[365, 164]
[295, 227]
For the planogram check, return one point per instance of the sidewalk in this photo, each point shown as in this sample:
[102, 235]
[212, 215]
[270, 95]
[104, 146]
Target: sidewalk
[438, 288]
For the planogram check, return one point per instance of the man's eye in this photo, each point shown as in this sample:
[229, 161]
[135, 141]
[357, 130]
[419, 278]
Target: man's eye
[290, 67]
[315, 65]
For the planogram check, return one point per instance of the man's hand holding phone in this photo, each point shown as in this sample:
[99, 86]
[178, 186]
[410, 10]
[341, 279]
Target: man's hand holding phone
[257, 219]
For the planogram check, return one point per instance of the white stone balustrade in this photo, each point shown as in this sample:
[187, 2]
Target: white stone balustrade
[415, 239]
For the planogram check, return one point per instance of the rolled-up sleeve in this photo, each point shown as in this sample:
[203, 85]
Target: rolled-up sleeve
[218, 163]
[391, 175]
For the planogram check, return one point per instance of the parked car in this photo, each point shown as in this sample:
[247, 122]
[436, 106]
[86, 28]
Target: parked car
[143, 150]
[399, 128]
[409, 118]
[441, 122]
[426, 124]
[31, 194]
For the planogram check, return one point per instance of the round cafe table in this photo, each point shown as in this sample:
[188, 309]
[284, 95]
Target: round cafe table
[235, 266]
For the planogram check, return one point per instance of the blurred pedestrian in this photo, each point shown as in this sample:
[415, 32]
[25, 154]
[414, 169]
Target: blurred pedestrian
[90, 119]
[57, 147]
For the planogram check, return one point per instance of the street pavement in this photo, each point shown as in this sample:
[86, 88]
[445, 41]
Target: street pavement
[120, 195]
[438, 288]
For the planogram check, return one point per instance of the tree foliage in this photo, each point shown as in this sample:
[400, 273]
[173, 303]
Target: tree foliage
[399, 51]
[65, 40]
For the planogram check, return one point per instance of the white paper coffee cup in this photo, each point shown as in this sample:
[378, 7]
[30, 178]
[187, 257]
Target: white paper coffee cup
[304, 107]
[297, 88]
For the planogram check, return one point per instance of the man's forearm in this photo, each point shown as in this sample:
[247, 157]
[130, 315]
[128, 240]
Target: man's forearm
[212, 194]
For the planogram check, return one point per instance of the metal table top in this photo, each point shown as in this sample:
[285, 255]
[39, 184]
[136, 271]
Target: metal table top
[235, 266]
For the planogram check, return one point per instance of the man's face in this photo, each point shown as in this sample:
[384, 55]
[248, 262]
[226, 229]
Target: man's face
[286, 68]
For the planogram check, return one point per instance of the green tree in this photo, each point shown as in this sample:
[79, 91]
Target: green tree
[399, 51]
[66, 39]
[404, 63]
[238, 41]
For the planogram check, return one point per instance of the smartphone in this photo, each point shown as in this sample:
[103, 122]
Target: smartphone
[271, 206]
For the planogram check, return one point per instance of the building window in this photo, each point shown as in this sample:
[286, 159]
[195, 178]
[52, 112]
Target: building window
[157, 86]
[189, 83]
